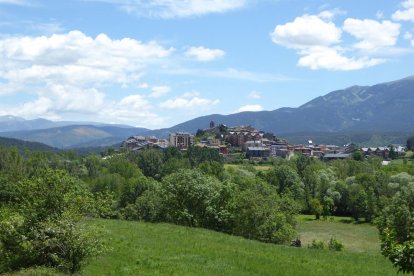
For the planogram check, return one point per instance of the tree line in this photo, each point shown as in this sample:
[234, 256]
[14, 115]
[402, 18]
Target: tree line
[46, 199]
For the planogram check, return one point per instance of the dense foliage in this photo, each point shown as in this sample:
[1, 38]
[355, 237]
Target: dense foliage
[40, 217]
[45, 197]
[410, 143]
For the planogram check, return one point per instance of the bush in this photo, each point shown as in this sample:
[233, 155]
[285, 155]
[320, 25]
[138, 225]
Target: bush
[316, 244]
[335, 245]
[43, 227]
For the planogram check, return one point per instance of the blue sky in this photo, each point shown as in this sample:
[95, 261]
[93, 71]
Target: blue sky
[156, 63]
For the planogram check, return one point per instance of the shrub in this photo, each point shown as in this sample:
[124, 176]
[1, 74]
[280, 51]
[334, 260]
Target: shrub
[335, 245]
[43, 227]
[316, 244]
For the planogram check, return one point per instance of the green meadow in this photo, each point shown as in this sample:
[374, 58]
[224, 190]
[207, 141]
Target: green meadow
[136, 248]
[356, 237]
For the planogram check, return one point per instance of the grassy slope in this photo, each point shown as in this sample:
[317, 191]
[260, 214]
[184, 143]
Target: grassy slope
[142, 248]
[362, 238]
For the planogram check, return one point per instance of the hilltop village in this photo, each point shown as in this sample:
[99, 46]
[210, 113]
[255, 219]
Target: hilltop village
[250, 143]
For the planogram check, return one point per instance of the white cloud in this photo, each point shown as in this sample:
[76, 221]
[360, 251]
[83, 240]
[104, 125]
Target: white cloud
[168, 9]
[185, 102]
[317, 41]
[75, 57]
[133, 109]
[372, 34]
[250, 107]
[406, 14]
[331, 14]
[54, 99]
[333, 59]
[254, 95]
[204, 54]
[159, 91]
[306, 31]
[407, 36]
[67, 73]
[231, 73]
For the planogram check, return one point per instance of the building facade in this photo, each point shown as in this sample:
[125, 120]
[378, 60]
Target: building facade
[181, 140]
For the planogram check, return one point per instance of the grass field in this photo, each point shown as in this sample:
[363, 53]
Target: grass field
[162, 249]
[257, 167]
[361, 238]
[400, 161]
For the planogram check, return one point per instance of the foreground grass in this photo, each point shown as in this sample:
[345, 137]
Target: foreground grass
[361, 238]
[153, 249]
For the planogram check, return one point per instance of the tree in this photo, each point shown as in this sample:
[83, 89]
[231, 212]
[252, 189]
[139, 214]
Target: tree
[42, 225]
[410, 143]
[316, 208]
[392, 154]
[357, 201]
[396, 226]
[150, 162]
[213, 168]
[357, 156]
[286, 180]
[198, 155]
[261, 214]
[194, 199]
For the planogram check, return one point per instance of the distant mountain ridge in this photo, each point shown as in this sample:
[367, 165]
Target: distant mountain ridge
[77, 136]
[382, 108]
[25, 145]
[10, 123]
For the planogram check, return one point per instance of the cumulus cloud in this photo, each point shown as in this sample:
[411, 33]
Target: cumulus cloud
[204, 54]
[371, 33]
[250, 107]
[75, 57]
[405, 14]
[56, 98]
[331, 14]
[306, 31]
[254, 95]
[329, 58]
[188, 101]
[134, 109]
[317, 41]
[70, 72]
[168, 9]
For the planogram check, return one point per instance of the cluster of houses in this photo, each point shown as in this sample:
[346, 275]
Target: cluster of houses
[383, 152]
[136, 143]
[255, 144]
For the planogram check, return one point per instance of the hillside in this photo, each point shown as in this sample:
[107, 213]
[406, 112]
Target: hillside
[383, 107]
[77, 136]
[143, 248]
[23, 145]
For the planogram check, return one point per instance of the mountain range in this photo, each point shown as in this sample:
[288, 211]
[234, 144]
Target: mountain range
[382, 107]
[386, 107]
